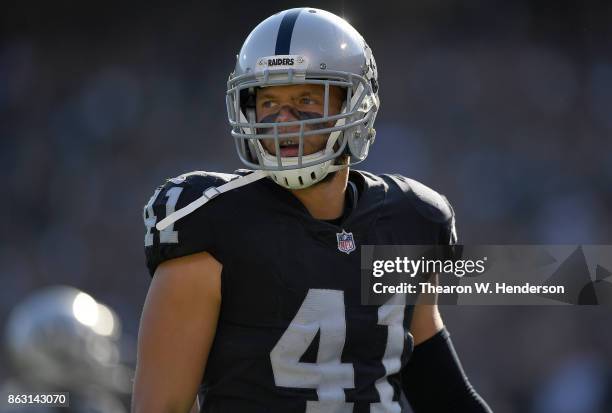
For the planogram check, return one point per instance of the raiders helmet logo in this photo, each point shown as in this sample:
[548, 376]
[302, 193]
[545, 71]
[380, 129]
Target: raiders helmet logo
[286, 61]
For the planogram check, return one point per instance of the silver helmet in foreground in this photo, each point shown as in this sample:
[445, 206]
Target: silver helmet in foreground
[304, 46]
[61, 338]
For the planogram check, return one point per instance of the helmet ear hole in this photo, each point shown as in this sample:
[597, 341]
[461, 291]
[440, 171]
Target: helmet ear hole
[374, 84]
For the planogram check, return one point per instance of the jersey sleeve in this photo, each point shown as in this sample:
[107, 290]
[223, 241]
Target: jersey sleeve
[432, 206]
[192, 234]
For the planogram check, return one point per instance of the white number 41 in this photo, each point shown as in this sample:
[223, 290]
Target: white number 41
[323, 310]
[168, 235]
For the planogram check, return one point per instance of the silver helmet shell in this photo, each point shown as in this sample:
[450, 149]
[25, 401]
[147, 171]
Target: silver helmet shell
[304, 46]
[62, 338]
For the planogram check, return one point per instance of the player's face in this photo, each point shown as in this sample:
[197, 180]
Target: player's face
[296, 102]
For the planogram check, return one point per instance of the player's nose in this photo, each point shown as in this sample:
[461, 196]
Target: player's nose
[286, 114]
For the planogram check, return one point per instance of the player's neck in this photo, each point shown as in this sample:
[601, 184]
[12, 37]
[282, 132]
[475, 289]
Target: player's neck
[325, 200]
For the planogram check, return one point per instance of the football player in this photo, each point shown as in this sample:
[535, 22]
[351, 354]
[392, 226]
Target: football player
[255, 298]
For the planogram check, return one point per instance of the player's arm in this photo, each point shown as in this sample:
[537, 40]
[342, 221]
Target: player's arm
[177, 328]
[433, 379]
[196, 407]
[426, 320]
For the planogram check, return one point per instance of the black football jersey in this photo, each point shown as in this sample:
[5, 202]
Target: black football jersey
[292, 334]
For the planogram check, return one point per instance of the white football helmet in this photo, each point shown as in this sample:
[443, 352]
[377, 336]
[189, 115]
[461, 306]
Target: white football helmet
[304, 46]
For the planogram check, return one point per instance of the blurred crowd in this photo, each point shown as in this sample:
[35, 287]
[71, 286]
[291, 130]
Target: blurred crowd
[504, 107]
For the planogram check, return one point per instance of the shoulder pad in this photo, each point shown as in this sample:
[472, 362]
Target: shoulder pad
[203, 178]
[426, 201]
[186, 236]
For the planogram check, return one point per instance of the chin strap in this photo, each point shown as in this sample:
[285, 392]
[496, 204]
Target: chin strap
[209, 194]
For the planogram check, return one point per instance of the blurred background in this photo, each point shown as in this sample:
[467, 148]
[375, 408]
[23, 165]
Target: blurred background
[503, 106]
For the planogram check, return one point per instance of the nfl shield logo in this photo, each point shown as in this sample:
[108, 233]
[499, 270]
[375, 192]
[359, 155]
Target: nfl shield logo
[346, 243]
